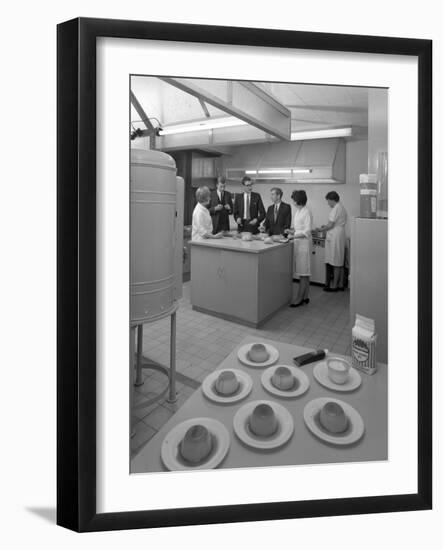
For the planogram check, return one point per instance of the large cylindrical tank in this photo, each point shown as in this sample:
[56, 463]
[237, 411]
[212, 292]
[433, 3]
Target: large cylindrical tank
[179, 255]
[153, 235]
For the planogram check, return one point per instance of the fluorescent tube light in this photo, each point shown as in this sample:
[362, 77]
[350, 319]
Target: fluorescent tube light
[200, 125]
[280, 171]
[276, 171]
[319, 134]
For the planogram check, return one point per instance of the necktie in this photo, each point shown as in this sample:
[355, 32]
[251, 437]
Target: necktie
[275, 213]
[248, 217]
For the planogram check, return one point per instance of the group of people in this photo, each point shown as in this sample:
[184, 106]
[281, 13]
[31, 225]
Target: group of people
[210, 220]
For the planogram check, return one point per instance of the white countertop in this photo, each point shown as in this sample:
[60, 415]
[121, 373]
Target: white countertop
[237, 245]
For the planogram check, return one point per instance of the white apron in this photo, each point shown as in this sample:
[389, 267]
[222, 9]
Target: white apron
[336, 237]
[201, 222]
[302, 246]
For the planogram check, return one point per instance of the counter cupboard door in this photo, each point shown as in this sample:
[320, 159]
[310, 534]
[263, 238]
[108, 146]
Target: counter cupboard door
[225, 282]
[239, 280]
[206, 291]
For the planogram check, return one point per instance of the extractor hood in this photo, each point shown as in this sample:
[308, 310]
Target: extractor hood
[313, 161]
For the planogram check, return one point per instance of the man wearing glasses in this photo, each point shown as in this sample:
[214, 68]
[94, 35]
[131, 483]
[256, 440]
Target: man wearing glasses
[249, 211]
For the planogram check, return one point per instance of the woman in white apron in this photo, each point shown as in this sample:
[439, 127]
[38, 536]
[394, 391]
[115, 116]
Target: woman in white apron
[301, 233]
[201, 218]
[335, 240]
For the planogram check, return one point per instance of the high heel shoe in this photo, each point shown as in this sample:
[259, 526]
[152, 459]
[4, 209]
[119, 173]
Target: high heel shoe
[297, 305]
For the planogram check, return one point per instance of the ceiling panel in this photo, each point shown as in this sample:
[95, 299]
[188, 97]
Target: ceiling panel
[312, 106]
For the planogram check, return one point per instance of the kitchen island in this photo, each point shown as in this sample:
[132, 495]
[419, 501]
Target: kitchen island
[242, 281]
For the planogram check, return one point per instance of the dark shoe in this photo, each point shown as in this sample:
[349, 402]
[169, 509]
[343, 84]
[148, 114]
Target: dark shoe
[328, 289]
[297, 305]
[325, 289]
[341, 288]
[306, 301]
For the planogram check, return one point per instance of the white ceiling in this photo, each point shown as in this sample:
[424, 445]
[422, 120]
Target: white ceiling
[311, 106]
[167, 103]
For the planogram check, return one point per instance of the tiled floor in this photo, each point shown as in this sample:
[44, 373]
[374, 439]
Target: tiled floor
[203, 341]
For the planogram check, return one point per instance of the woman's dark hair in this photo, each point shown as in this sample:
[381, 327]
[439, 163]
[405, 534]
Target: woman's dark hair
[299, 197]
[332, 196]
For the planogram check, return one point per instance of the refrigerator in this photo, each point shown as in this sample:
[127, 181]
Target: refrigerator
[369, 276]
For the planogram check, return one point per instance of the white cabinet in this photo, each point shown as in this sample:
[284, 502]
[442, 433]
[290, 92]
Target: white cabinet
[318, 261]
[369, 276]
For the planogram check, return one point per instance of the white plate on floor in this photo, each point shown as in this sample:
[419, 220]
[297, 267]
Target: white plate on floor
[170, 453]
[209, 391]
[283, 434]
[321, 375]
[353, 433]
[302, 379]
[242, 354]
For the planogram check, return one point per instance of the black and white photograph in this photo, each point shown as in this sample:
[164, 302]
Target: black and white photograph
[258, 274]
[221, 223]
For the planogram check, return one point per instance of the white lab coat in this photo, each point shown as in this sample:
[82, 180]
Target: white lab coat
[201, 222]
[302, 224]
[336, 237]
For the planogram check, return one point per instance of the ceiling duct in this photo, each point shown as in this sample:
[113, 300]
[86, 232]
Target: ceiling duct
[313, 161]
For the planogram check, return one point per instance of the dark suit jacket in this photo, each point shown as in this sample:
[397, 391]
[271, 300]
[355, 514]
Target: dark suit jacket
[256, 210]
[220, 219]
[283, 219]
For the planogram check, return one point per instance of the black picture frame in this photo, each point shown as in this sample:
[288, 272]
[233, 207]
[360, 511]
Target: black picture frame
[76, 279]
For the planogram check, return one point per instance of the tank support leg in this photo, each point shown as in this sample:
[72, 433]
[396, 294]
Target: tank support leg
[172, 393]
[131, 378]
[139, 377]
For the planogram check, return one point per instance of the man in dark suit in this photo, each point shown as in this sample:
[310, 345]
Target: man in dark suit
[278, 216]
[220, 206]
[249, 211]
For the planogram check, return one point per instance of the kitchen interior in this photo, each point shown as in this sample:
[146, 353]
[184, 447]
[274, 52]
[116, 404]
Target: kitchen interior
[309, 137]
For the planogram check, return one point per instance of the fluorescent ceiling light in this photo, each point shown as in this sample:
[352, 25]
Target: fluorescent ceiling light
[276, 171]
[318, 134]
[201, 125]
[280, 171]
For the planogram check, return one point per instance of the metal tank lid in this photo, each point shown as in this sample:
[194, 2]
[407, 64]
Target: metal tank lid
[152, 157]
